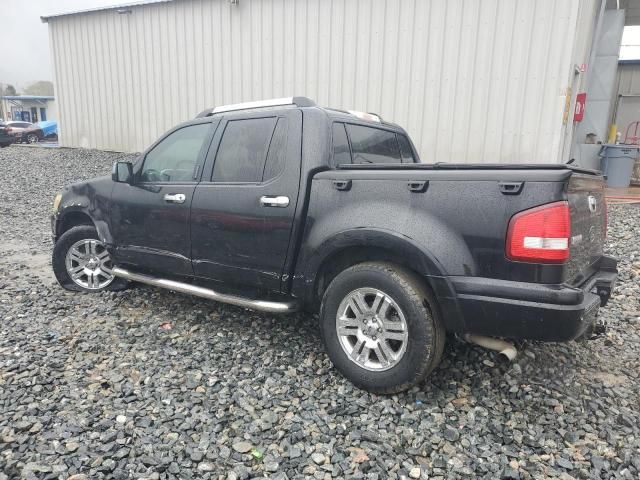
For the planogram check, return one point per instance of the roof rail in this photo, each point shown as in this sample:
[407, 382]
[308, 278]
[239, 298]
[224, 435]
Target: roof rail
[372, 117]
[274, 102]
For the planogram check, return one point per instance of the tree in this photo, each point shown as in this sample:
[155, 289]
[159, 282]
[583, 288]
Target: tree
[43, 87]
[10, 90]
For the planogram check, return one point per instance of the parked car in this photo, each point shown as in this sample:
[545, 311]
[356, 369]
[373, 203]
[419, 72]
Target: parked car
[39, 131]
[6, 138]
[282, 205]
[16, 127]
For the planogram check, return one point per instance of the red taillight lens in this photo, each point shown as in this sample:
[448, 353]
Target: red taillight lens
[540, 235]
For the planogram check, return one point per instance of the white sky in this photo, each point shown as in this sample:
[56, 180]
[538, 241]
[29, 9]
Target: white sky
[25, 39]
[26, 55]
[630, 48]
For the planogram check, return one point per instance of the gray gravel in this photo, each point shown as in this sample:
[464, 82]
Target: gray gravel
[150, 384]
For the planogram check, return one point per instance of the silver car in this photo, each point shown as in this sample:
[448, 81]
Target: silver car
[16, 127]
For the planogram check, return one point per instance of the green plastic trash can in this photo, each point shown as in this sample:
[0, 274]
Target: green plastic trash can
[617, 163]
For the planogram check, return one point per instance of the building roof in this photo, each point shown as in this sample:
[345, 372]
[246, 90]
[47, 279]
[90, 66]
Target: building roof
[28, 97]
[124, 6]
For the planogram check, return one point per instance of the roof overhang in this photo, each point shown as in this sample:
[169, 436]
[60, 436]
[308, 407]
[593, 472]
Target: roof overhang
[28, 97]
[119, 8]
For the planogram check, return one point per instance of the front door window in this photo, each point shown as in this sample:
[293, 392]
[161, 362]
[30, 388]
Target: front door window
[173, 160]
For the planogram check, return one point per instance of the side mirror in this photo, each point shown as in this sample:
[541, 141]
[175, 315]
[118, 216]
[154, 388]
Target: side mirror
[122, 172]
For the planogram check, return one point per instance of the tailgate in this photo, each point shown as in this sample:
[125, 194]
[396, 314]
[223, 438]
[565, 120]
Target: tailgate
[588, 225]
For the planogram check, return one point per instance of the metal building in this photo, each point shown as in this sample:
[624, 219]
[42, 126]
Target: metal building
[472, 81]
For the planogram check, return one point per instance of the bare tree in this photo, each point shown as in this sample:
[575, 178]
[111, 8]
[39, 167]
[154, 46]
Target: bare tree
[43, 87]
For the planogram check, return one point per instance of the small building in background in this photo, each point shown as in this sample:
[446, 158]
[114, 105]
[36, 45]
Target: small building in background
[28, 108]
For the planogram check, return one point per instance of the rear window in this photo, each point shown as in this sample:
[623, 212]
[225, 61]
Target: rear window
[373, 145]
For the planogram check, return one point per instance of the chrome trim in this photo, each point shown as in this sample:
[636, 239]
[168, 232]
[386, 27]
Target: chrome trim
[371, 117]
[274, 201]
[262, 305]
[175, 198]
[274, 102]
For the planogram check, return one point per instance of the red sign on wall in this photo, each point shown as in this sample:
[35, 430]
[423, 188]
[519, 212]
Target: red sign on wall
[578, 112]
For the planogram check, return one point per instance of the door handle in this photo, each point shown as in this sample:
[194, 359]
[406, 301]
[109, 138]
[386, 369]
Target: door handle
[274, 201]
[175, 197]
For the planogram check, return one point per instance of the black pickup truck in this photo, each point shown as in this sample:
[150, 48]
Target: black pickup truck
[282, 205]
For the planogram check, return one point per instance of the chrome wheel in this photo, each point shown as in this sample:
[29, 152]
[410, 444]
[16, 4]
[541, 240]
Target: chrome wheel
[372, 329]
[89, 264]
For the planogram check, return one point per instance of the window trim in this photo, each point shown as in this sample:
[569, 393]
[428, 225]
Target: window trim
[333, 162]
[202, 155]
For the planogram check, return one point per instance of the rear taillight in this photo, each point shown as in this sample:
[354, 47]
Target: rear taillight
[540, 235]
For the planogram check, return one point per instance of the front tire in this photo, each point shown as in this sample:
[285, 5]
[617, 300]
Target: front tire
[82, 263]
[381, 327]
[32, 138]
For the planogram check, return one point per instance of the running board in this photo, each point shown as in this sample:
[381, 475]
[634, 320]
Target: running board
[262, 305]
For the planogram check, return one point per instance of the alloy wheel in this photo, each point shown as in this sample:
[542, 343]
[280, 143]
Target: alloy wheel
[89, 264]
[372, 329]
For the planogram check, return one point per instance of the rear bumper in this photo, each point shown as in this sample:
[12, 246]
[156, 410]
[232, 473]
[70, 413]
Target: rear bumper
[553, 313]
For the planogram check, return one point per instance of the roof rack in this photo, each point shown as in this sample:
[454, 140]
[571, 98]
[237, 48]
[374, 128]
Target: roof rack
[372, 117]
[274, 102]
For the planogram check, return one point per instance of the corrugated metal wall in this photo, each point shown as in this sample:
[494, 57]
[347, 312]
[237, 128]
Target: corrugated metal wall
[626, 109]
[628, 80]
[471, 80]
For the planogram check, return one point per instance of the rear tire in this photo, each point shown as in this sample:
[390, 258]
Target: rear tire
[381, 327]
[81, 262]
[32, 138]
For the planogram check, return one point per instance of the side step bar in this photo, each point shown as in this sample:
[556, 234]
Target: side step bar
[263, 305]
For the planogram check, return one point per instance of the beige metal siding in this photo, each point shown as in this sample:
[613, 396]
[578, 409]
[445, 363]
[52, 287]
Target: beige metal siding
[472, 81]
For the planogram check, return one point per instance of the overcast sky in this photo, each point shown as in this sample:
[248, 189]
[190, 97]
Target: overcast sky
[25, 39]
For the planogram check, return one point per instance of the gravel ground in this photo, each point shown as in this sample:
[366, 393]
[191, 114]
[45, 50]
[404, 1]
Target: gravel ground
[150, 384]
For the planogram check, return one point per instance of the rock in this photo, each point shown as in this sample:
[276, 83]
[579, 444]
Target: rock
[564, 463]
[242, 447]
[414, 472]
[121, 419]
[72, 446]
[318, 458]
[206, 467]
[451, 434]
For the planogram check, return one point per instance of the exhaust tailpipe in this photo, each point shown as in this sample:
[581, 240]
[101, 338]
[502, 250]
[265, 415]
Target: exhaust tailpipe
[504, 348]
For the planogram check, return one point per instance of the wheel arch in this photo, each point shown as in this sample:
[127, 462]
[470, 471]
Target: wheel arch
[364, 245]
[74, 217]
[352, 247]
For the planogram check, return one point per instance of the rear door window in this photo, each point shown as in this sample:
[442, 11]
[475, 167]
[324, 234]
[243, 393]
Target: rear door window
[243, 150]
[373, 145]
